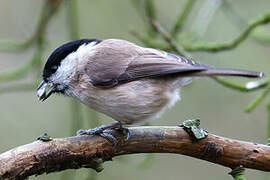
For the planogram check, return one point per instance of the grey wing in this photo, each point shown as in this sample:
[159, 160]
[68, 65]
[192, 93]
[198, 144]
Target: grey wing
[153, 63]
[118, 65]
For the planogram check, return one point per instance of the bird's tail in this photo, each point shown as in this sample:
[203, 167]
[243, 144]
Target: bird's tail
[226, 72]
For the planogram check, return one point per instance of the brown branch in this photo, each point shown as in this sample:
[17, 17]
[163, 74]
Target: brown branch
[88, 151]
[167, 37]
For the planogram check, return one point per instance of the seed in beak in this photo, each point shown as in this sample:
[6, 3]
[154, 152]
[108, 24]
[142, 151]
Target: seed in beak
[44, 90]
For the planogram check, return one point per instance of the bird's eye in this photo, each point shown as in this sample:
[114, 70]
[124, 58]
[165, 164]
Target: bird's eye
[54, 67]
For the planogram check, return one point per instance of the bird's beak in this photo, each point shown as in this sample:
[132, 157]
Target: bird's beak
[44, 90]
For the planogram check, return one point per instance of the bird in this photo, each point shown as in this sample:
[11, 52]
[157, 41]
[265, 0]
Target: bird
[127, 82]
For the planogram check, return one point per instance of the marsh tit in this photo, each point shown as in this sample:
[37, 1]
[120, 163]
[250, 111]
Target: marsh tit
[125, 81]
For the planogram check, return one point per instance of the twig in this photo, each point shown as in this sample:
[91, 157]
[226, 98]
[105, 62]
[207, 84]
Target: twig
[216, 47]
[89, 151]
[261, 34]
[182, 17]
[150, 9]
[150, 13]
[21, 71]
[10, 46]
[247, 87]
[166, 36]
[258, 99]
[156, 27]
[49, 9]
[233, 15]
[146, 9]
[150, 42]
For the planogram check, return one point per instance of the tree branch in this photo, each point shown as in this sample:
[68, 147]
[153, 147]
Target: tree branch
[246, 87]
[89, 151]
[215, 47]
[166, 36]
[182, 17]
[49, 9]
[261, 34]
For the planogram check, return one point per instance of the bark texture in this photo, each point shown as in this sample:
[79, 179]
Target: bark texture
[89, 151]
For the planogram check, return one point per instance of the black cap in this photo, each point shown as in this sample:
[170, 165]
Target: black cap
[60, 53]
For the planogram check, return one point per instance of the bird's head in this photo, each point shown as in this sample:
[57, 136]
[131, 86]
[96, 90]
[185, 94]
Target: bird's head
[59, 67]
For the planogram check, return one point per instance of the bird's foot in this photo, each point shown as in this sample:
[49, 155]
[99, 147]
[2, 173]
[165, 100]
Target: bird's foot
[96, 131]
[124, 131]
[101, 131]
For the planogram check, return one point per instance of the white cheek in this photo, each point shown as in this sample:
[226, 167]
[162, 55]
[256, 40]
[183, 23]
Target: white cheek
[71, 63]
[65, 70]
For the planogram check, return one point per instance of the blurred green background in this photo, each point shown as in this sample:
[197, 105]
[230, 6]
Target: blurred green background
[221, 110]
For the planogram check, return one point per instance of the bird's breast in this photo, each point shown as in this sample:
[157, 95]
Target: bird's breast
[132, 102]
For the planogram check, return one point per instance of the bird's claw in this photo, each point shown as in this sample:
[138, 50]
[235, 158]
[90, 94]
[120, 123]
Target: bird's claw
[97, 131]
[109, 137]
[125, 132]
[93, 131]
[103, 131]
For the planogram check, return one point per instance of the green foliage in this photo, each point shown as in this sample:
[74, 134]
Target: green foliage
[238, 173]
